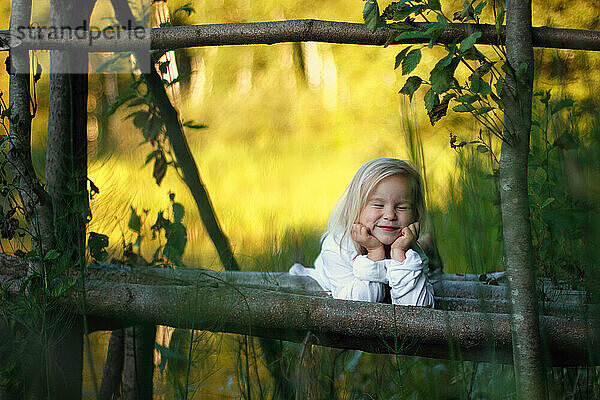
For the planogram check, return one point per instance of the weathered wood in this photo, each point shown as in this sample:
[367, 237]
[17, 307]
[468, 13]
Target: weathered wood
[373, 327]
[272, 306]
[304, 30]
[459, 295]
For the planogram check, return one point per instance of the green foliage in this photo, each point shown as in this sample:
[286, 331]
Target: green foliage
[442, 78]
[563, 209]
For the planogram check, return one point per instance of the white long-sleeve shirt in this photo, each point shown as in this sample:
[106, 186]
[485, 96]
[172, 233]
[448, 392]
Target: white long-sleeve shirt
[348, 275]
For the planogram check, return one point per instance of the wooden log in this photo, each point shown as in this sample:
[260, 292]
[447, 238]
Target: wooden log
[303, 30]
[221, 305]
[373, 327]
[453, 287]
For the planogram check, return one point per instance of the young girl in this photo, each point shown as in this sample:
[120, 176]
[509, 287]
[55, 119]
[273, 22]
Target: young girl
[371, 238]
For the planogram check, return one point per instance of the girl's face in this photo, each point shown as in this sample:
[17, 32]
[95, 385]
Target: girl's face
[388, 209]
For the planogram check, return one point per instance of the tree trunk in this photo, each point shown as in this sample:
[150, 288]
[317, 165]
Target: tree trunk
[66, 182]
[110, 387]
[36, 202]
[528, 352]
[138, 367]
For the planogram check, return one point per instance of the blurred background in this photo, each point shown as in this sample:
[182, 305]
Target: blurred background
[287, 127]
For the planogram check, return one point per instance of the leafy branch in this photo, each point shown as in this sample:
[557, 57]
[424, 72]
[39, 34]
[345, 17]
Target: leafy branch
[480, 94]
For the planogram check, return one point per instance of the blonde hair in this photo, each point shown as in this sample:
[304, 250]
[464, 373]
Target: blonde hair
[348, 207]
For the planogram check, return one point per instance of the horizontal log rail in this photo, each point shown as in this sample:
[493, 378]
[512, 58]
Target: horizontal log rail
[373, 327]
[292, 308]
[458, 292]
[303, 30]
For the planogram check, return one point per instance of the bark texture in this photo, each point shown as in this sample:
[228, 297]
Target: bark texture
[309, 30]
[528, 352]
[36, 202]
[452, 292]
[268, 308]
[66, 182]
[110, 388]
[138, 368]
[372, 327]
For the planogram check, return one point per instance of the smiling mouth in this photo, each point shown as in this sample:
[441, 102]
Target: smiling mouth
[388, 228]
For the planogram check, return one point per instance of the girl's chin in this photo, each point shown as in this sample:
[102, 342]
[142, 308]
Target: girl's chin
[386, 240]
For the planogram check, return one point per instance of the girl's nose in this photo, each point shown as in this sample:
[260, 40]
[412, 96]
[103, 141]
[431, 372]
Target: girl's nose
[389, 214]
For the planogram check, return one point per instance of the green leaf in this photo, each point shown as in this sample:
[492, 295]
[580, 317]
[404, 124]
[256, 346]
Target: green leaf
[547, 202]
[500, 19]
[51, 255]
[498, 86]
[62, 287]
[431, 100]
[463, 108]
[440, 80]
[467, 13]
[561, 104]
[135, 222]
[371, 15]
[411, 86]
[482, 149]
[400, 56]
[444, 61]
[478, 85]
[540, 176]
[447, 97]
[469, 41]
[484, 68]
[479, 8]
[468, 98]
[435, 5]
[436, 29]
[405, 11]
[411, 61]
[483, 110]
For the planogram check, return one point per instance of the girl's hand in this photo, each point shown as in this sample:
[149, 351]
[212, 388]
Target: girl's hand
[362, 236]
[407, 238]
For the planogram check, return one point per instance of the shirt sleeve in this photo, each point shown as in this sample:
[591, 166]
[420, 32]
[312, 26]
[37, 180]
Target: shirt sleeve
[408, 280]
[336, 266]
[368, 270]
